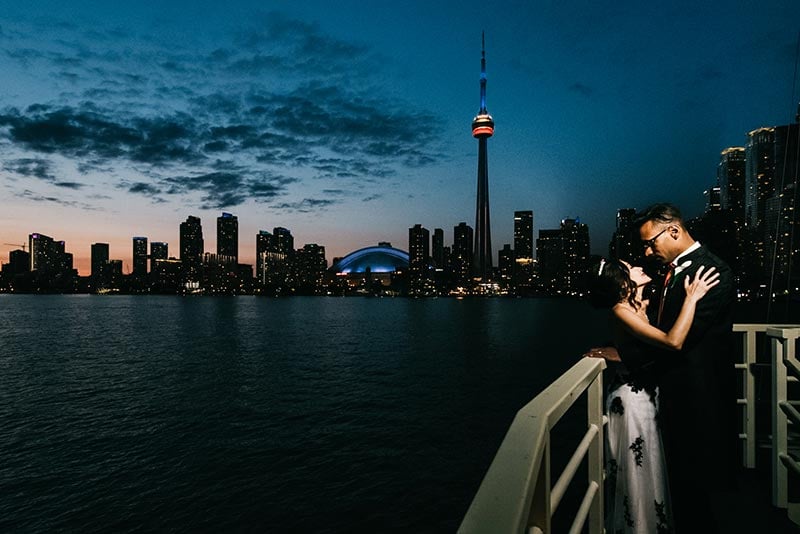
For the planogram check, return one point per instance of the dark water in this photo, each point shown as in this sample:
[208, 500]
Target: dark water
[246, 414]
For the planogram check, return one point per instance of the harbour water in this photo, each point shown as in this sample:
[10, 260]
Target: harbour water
[251, 414]
[248, 414]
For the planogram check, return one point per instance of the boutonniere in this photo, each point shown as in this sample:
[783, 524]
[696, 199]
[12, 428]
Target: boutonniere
[682, 266]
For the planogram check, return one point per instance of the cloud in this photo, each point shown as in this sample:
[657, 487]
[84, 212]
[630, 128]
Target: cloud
[228, 189]
[581, 89]
[69, 185]
[306, 205]
[240, 122]
[37, 197]
[32, 167]
[144, 189]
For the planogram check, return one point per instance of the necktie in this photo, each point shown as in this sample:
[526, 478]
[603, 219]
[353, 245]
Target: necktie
[667, 279]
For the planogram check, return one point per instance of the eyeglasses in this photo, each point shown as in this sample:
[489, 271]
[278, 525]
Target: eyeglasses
[650, 243]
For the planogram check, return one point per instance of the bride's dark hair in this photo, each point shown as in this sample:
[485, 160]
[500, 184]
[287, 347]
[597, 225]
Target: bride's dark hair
[611, 284]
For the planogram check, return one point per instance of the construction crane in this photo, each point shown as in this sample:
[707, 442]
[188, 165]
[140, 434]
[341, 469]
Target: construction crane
[16, 245]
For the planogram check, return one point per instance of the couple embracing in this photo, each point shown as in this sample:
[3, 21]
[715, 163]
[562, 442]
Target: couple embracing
[671, 406]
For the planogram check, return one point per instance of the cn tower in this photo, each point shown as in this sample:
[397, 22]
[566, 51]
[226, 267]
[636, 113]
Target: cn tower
[482, 129]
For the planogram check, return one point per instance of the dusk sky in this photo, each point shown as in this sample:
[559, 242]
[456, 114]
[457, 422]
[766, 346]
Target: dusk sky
[348, 122]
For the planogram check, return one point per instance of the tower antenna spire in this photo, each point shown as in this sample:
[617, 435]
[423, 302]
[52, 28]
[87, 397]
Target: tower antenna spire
[483, 73]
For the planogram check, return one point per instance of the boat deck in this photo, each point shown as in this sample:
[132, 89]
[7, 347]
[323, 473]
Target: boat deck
[749, 509]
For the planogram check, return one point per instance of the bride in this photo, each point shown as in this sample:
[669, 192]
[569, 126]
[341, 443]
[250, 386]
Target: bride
[638, 492]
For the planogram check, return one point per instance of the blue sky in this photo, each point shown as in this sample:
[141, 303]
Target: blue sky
[349, 122]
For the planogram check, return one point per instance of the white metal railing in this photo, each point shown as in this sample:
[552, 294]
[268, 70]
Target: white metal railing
[785, 368]
[516, 494]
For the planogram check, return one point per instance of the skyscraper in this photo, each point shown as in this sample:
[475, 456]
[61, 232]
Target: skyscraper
[309, 266]
[731, 181]
[523, 246]
[759, 175]
[44, 253]
[575, 237]
[461, 259]
[191, 243]
[506, 263]
[228, 236]
[482, 129]
[437, 248]
[418, 256]
[264, 246]
[284, 241]
[714, 198]
[625, 243]
[139, 256]
[781, 224]
[158, 251]
[280, 259]
[99, 260]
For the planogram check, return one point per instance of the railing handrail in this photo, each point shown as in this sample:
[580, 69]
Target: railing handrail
[505, 499]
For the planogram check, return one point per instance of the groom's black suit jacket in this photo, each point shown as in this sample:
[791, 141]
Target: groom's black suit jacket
[698, 393]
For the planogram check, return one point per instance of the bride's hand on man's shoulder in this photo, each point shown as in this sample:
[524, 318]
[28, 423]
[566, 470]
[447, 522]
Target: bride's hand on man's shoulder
[703, 281]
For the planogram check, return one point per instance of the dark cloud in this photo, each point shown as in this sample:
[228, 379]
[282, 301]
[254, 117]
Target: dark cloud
[228, 189]
[41, 169]
[306, 205]
[33, 167]
[581, 89]
[69, 185]
[67, 131]
[188, 125]
[144, 188]
[37, 197]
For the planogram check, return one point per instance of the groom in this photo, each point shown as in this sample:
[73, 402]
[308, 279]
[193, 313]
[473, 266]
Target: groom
[697, 385]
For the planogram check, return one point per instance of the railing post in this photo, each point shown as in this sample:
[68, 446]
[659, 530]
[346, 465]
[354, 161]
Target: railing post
[540, 504]
[748, 399]
[783, 349]
[595, 416]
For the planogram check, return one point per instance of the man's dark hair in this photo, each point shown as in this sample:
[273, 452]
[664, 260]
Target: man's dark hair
[661, 213]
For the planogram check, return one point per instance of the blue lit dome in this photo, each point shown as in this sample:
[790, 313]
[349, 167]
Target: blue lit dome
[379, 259]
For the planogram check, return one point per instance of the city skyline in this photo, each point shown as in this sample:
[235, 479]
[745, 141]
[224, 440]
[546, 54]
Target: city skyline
[350, 125]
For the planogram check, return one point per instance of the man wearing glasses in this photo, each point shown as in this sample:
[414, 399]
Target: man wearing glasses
[697, 385]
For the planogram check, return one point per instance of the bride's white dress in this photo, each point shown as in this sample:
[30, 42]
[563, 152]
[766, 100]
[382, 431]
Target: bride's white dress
[637, 497]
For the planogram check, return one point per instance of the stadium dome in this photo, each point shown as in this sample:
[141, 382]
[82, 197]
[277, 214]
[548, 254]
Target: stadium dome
[379, 259]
